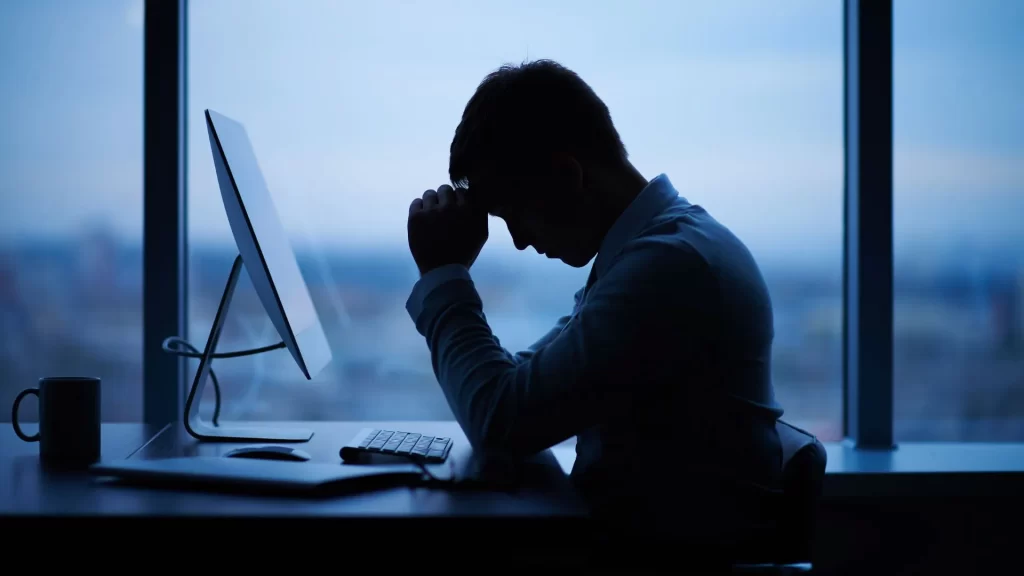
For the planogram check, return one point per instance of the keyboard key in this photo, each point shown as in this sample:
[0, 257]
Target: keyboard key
[379, 440]
[369, 438]
[393, 443]
[408, 444]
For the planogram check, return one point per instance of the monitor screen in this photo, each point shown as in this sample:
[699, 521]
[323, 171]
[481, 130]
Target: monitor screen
[265, 249]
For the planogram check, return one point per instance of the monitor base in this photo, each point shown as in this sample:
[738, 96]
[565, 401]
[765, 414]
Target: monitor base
[205, 432]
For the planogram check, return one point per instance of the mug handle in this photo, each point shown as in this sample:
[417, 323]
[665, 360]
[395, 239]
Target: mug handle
[14, 415]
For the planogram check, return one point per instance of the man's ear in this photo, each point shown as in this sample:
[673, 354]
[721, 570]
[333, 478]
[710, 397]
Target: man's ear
[568, 174]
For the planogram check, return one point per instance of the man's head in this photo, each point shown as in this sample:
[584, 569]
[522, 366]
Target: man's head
[537, 148]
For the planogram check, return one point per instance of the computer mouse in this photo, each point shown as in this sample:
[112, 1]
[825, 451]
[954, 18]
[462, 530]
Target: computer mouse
[269, 453]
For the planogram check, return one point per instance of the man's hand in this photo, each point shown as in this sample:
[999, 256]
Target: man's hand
[445, 229]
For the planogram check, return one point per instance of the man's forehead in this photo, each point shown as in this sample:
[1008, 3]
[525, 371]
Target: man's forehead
[486, 183]
[487, 196]
[496, 185]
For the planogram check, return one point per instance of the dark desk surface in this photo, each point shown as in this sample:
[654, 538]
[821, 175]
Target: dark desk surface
[538, 489]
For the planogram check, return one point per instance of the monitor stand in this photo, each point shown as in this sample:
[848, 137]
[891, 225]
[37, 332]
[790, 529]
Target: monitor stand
[206, 432]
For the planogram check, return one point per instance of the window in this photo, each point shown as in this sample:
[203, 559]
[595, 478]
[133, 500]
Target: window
[71, 198]
[958, 190]
[351, 107]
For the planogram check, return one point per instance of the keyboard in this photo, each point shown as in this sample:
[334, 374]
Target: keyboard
[372, 441]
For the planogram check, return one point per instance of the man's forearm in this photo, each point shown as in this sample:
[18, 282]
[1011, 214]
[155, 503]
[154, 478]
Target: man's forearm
[471, 367]
[511, 403]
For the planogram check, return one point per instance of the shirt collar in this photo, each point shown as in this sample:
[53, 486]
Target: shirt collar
[651, 201]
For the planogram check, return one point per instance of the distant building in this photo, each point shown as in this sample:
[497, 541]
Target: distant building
[1007, 301]
[14, 320]
[1015, 333]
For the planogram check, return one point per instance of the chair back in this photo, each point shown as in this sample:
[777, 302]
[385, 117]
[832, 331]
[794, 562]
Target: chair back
[803, 473]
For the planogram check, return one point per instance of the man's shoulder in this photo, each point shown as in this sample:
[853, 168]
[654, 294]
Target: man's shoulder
[695, 233]
[685, 243]
[670, 238]
[664, 248]
[660, 261]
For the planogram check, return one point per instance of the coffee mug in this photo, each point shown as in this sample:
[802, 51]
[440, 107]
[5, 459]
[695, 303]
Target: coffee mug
[69, 421]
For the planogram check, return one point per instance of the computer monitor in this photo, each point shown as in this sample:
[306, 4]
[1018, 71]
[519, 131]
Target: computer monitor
[266, 253]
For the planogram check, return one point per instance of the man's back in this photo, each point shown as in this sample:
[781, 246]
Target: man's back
[693, 427]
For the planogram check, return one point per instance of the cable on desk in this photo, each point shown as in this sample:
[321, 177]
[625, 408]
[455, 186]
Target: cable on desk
[432, 479]
[450, 483]
[193, 352]
[181, 347]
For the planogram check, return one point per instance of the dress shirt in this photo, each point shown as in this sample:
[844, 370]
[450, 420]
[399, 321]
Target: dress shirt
[662, 369]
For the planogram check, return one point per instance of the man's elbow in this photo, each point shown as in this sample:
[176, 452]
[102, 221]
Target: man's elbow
[492, 431]
[494, 419]
[498, 436]
[487, 432]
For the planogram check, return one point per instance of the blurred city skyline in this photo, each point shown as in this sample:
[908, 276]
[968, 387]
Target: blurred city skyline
[74, 308]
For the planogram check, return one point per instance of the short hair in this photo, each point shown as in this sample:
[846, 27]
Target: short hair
[520, 112]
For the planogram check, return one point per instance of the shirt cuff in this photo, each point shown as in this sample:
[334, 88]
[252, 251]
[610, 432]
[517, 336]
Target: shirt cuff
[430, 282]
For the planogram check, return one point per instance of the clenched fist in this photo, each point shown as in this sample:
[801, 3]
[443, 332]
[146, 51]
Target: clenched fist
[445, 229]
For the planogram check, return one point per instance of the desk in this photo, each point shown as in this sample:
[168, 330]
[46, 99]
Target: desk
[541, 509]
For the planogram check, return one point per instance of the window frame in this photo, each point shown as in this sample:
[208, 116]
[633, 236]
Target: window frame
[164, 220]
[867, 344]
[867, 229]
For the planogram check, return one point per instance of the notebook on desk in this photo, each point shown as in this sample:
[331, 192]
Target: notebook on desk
[258, 476]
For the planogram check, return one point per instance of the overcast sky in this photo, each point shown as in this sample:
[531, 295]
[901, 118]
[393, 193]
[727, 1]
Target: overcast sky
[351, 107]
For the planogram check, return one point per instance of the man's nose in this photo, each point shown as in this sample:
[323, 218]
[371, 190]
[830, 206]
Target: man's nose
[517, 238]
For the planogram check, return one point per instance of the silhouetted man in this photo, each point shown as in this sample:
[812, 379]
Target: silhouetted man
[662, 368]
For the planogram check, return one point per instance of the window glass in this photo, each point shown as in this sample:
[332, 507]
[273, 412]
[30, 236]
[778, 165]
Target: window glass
[71, 199]
[958, 209]
[351, 107]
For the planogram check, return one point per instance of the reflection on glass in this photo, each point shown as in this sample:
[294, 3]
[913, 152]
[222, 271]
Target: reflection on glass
[351, 107]
[958, 206]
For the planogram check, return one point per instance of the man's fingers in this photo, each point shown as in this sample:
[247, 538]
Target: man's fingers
[429, 199]
[445, 196]
[416, 205]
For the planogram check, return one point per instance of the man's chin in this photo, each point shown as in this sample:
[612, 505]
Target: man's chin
[574, 262]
